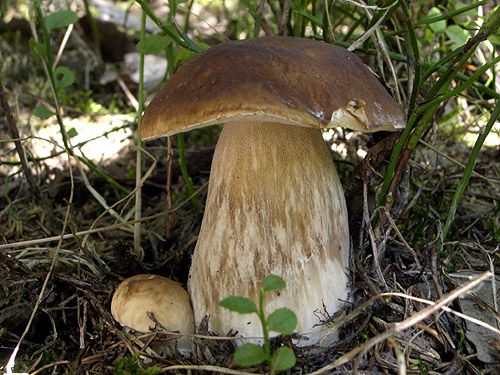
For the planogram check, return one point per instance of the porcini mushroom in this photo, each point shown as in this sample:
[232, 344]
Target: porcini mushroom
[165, 299]
[275, 203]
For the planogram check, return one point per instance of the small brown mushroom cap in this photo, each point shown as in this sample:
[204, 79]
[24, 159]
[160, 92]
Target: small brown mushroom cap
[164, 298]
[273, 79]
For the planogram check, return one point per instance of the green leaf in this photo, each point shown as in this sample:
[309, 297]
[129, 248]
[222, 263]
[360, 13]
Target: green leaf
[127, 365]
[458, 35]
[185, 54]
[182, 56]
[64, 77]
[240, 305]
[494, 39]
[172, 4]
[491, 20]
[249, 355]
[283, 359]
[43, 112]
[59, 19]
[153, 44]
[37, 47]
[273, 282]
[282, 321]
[72, 132]
[438, 26]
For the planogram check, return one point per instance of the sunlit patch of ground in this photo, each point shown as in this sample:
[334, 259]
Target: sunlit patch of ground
[492, 140]
[98, 139]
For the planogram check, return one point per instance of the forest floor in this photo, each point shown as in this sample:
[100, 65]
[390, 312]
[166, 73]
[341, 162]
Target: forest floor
[62, 253]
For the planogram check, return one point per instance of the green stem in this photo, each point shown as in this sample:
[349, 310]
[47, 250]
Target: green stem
[102, 174]
[443, 17]
[188, 14]
[258, 21]
[469, 168]
[93, 26]
[57, 153]
[437, 66]
[47, 62]
[416, 55]
[425, 112]
[298, 23]
[185, 175]
[450, 14]
[265, 331]
[180, 142]
[352, 28]
[186, 43]
[460, 88]
[441, 63]
[138, 163]
[391, 167]
[445, 79]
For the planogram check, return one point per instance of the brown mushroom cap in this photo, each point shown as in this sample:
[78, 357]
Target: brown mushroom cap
[164, 298]
[273, 79]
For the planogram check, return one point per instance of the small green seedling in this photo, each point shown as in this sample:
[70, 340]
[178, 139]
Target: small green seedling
[130, 366]
[282, 320]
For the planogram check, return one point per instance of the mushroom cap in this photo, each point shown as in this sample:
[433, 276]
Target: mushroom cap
[167, 300]
[273, 79]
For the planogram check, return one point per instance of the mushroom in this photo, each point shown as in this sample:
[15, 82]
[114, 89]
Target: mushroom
[275, 203]
[165, 299]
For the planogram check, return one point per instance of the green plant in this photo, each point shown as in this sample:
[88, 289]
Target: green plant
[282, 320]
[130, 366]
[163, 42]
[493, 226]
[422, 113]
[58, 77]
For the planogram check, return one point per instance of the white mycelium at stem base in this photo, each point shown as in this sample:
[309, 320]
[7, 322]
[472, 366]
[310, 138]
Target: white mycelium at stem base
[275, 205]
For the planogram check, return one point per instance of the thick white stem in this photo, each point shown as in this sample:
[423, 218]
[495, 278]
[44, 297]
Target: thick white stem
[274, 205]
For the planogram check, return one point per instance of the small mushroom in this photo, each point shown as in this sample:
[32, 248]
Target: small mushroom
[165, 299]
[275, 203]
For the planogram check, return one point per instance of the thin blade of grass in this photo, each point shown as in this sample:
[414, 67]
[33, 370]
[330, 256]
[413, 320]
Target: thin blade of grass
[450, 14]
[185, 42]
[471, 162]
[138, 162]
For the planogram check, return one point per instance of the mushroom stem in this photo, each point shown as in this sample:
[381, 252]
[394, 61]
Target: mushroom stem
[275, 205]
